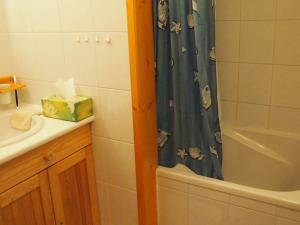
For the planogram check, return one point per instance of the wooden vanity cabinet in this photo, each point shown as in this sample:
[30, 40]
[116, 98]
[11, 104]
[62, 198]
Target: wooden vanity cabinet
[52, 188]
[28, 203]
[72, 183]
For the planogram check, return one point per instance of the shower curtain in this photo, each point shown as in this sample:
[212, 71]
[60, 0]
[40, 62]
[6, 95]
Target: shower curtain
[187, 105]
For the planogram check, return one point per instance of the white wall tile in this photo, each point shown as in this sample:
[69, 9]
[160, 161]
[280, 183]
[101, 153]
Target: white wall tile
[76, 15]
[17, 15]
[255, 83]
[227, 40]
[172, 207]
[3, 24]
[114, 119]
[34, 91]
[103, 197]
[242, 216]
[287, 48]
[38, 56]
[286, 86]
[257, 41]
[44, 16]
[288, 9]
[112, 60]
[118, 206]
[228, 112]
[22, 57]
[109, 15]
[286, 119]
[91, 92]
[228, 9]
[258, 9]
[31, 16]
[228, 80]
[268, 37]
[206, 211]
[250, 115]
[5, 55]
[116, 162]
[100, 159]
[122, 206]
[80, 59]
[48, 57]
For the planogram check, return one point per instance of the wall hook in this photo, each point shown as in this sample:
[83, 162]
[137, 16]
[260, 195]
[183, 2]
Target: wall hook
[108, 40]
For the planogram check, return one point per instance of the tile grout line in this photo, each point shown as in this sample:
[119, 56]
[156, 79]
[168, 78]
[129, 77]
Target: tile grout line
[255, 20]
[260, 104]
[112, 139]
[259, 63]
[239, 67]
[61, 39]
[78, 85]
[62, 32]
[273, 65]
[133, 191]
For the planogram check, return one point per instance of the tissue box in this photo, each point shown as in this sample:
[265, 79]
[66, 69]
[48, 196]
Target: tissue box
[74, 110]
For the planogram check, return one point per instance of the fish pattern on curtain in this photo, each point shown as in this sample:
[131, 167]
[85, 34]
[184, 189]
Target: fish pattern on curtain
[187, 105]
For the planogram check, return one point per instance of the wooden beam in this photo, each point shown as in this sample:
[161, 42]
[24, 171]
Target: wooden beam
[141, 48]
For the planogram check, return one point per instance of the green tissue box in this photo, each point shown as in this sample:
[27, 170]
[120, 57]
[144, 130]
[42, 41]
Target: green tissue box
[74, 110]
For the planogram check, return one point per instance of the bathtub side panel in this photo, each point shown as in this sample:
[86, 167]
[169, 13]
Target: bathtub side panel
[189, 203]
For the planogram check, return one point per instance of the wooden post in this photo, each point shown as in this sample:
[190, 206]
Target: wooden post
[141, 48]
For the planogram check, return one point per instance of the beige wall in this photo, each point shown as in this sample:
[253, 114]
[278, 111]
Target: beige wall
[42, 37]
[258, 52]
[5, 57]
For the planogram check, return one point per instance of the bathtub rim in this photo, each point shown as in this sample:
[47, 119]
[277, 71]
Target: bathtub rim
[230, 129]
[288, 199]
[237, 134]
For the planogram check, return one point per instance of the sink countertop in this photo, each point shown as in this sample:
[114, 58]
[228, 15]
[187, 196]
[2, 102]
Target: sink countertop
[52, 129]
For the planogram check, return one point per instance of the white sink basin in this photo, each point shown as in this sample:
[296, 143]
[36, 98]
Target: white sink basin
[9, 135]
[14, 143]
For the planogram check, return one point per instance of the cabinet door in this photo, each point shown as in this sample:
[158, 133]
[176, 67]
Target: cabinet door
[73, 189]
[28, 203]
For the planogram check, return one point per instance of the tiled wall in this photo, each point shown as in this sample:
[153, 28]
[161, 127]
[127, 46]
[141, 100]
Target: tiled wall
[182, 203]
[258, 52]
[5, 58]
[87, 40]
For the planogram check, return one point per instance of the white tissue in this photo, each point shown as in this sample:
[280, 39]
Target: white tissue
[65, 88]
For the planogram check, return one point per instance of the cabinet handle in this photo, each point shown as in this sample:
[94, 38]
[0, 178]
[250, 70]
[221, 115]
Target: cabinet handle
[48, 157]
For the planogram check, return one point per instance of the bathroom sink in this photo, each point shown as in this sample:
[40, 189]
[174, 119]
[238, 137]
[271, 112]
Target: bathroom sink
[14, 143]
[9, 136]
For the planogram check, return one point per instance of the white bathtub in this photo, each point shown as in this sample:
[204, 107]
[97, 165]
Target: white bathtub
[262, 184]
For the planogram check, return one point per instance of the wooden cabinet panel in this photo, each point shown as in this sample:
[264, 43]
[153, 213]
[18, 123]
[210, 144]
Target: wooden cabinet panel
[73, 189]
[33, 162]
[51, 185]
[28, 203]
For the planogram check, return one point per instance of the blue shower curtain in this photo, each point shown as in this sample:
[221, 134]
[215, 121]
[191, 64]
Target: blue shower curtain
[187, 105]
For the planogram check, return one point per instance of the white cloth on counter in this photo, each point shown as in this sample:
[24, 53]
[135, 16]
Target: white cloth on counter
[21, 119]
